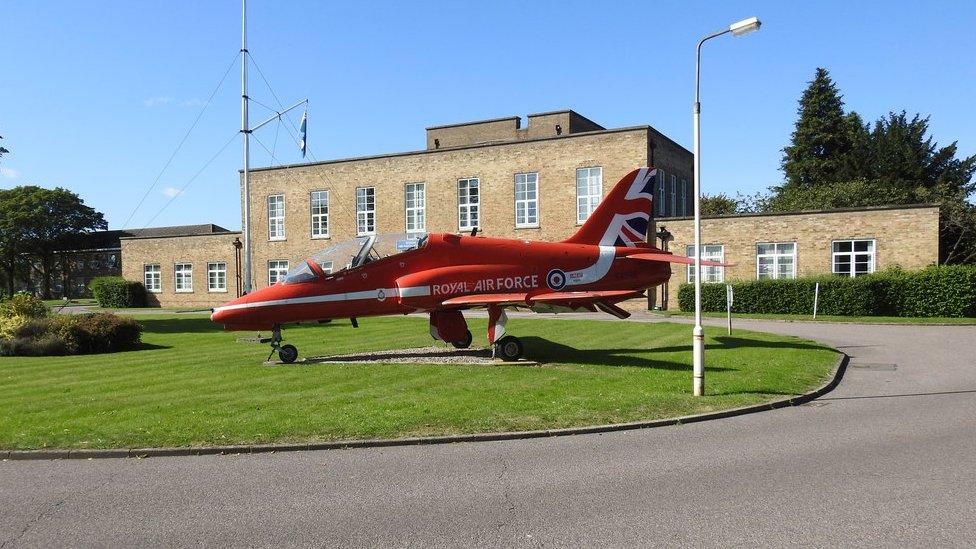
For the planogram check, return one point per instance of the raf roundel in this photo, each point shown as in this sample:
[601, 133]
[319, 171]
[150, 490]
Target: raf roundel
[556, 279]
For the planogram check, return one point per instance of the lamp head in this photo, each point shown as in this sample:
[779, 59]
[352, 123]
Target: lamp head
[745, 26]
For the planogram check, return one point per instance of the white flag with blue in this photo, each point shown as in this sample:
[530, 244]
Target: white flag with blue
[301, 133]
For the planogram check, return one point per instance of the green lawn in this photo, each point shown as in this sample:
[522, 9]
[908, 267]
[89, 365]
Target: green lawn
[193, 384]
[55, 303]
[828, 318]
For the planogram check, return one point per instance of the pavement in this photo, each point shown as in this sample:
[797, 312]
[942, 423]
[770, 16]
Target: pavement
[888, 458]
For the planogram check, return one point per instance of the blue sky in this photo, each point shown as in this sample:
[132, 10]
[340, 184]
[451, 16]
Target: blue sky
[95, 96]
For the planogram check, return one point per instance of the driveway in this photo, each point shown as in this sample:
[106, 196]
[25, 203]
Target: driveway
[888, 458]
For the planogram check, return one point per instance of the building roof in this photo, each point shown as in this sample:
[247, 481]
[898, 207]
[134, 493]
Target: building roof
[109, 240]
[804, 212]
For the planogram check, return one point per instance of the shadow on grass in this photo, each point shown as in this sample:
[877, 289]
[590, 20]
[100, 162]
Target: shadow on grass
[180, 325]
[544, 350]
[728, 342]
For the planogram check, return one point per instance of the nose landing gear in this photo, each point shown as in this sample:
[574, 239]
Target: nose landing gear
[286, 353]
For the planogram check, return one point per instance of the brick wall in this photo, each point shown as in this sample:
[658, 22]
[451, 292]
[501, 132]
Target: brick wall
[905, 237]
[198, 250]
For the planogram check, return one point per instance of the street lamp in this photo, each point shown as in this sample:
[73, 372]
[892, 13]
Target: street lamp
[740, 28]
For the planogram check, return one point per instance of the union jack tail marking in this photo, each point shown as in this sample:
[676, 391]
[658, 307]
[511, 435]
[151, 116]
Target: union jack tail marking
[623, 216]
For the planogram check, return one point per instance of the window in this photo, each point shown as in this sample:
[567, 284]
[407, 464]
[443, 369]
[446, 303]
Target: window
[527, 200]
[589, 191]
[217, 277]
[853, 257]
[416, 207]
[365, 210]
[674, 195]
[469, 201]
[662, 204]
[776, 260]
[277, 269]
[320, 214]
[183, 273]
[710, 252]
[276, 217]
[684, 197]
[152, 278]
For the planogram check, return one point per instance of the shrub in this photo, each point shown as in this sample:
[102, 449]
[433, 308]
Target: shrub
[98, 332]
[24, 305]
[117, 292]
[936, 291]
[46, 345]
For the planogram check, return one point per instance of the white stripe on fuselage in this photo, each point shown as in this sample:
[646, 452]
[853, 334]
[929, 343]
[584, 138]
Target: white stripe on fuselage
[413, 291]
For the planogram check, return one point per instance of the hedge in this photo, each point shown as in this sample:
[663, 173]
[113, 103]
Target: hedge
[947, 291]
[71, 335]
[117, 292]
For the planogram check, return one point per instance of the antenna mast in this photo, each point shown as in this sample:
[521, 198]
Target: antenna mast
[246, 133]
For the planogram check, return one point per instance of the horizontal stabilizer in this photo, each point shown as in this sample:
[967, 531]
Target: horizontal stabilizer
[671, 258]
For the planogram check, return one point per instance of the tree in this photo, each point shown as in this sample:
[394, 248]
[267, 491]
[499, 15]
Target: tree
[3, 151]
[823, 137]
[718, 204]
[39, 222]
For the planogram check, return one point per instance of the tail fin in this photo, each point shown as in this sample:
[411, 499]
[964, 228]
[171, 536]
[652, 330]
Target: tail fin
[622, 218]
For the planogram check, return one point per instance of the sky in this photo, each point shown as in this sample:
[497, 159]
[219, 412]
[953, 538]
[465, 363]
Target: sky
[96, 96]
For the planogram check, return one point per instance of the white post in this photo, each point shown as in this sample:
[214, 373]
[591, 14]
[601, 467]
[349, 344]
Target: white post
[698, 335]
[246, 133]
[816, 299]
[728, 304]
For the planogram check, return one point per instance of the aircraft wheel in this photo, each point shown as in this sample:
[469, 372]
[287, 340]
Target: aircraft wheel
[509, 348]
[464, 343]
[287, 353]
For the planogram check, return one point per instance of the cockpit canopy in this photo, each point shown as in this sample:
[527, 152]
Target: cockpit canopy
[355, 253]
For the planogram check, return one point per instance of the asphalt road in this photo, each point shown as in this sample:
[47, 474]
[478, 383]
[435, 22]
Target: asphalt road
[889, 458]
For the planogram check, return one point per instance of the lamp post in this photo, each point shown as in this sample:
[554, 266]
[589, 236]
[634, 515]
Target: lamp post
[698, 335]
[665, 236]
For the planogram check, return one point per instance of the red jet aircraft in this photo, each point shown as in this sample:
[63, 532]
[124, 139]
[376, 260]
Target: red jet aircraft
[605, 262]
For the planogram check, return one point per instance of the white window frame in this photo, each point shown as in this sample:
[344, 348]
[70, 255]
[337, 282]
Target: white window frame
[365, 211]
[872, 253]
[674, 195]
[276, 271]
[662, 201]
[152, 272]
[217, 272]
[319, 220]
[777, 257]
[587, 202]
[709, 274]
[522, 205]
[415, 207]
[468, 209]
[276, 217]
[684, 198]
[183, 278]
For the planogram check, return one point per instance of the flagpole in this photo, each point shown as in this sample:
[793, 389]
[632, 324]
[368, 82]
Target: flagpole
[246, 133]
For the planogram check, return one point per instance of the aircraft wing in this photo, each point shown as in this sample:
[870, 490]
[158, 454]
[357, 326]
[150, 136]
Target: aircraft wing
[671, 258]
[551, 301]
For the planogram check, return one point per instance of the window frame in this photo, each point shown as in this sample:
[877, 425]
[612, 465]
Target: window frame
[684, 198]
[187, 276]
[873, 252]
[674, 195]
[271, 219]
[368, 214]
[526, 201]
[210, 271]
[469, 206]
[415, 210]
[706, 257]
[662, 206]
[159, 277]
[776, 259]
[321, 216]
[591, 206]
[280, 272]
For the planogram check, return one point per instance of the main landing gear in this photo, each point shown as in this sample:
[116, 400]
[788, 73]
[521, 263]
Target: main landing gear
[506, 347]
[286, 353]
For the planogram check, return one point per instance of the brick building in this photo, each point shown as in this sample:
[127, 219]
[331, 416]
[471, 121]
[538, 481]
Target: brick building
[538, 182]
[846, 242]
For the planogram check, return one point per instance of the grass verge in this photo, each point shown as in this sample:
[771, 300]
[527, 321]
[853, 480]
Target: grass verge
[964, 321]
[192, 384]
